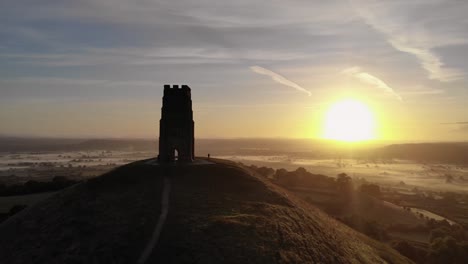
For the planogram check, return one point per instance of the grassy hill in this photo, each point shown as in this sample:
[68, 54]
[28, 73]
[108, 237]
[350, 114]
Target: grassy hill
[218, 213]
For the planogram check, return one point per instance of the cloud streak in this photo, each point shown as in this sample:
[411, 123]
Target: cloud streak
[359, 74]
[279, 79]
[429, 61]
[410, 36]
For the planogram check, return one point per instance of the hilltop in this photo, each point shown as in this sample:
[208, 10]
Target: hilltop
[218, 213]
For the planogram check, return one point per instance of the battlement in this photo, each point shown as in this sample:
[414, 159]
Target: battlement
[177, 100]
[177, 90]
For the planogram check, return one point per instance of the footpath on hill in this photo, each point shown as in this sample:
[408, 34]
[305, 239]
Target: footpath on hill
[218, 213]
[225, 214]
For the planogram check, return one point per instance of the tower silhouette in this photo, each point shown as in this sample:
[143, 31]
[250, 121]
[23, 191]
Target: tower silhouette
[176, 130]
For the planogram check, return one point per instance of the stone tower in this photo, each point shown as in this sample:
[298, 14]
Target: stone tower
[176, 129]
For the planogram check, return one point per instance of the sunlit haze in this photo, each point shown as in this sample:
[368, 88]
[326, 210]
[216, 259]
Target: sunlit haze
[349, 120]
[97, 68]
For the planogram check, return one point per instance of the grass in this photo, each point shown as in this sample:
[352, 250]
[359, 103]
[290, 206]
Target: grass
[30, 199]
[218, 213]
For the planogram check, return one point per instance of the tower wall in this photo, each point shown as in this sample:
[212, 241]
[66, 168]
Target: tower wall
[177, 128]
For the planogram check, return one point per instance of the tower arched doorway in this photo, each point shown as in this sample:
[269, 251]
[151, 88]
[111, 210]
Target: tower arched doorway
[176, 154]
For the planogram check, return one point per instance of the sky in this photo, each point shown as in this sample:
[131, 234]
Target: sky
[96, 68]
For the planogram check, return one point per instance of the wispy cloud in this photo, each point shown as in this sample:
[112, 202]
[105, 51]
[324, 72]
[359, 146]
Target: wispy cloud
[413, 36]
[429, 61]
[422, 91]
[279, 79]
[368, 78]
[53, 88]
[147, 56]
[66, 82]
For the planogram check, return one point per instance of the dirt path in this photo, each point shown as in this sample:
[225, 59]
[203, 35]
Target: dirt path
[162, 218]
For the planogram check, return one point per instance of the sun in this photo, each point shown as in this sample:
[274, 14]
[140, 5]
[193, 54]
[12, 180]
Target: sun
[349, 120]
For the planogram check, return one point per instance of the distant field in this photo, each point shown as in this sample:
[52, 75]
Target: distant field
[23, 166]
[391, 172]
[421, 237]
[431, 215]
[23, 160]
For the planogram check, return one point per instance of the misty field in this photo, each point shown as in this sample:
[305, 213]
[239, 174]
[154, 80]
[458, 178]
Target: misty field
[22, 166]
[443, 177]
[78, 159]
[404, 173]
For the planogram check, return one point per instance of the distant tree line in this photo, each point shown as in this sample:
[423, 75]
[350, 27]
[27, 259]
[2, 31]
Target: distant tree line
[448, 242]
[298, 178]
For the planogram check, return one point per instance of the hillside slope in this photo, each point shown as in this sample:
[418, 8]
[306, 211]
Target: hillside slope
[218, 213]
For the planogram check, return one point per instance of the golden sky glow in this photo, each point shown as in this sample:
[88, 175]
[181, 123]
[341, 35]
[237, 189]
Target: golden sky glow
[97, 68]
